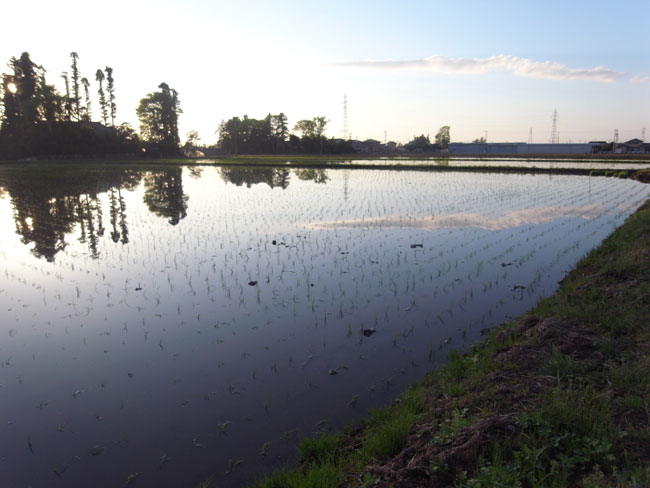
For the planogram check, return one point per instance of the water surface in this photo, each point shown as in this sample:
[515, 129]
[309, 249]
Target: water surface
[179, 322]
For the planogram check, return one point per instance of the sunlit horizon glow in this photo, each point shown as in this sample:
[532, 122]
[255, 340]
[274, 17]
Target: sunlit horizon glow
[407, 69]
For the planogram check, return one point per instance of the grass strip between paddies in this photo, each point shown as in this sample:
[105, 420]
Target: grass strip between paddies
[558, 397]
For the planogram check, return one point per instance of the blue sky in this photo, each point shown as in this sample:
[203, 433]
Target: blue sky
[407, 67]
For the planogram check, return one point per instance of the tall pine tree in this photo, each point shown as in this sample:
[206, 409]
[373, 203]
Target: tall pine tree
[110, 88]
[76, 97]
[99, 76]
[86, 84]
[67, 105]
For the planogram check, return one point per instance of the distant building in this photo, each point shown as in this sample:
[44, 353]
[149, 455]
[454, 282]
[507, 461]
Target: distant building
[359, 147]
[497, 148]
[374, 147]
[633, 146]
[600, 146]
[369, 146]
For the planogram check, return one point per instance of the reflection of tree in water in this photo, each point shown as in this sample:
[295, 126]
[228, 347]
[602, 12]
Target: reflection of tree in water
[317, 175]
[118, 216]
[195, 172]
[252, 175]
[47, 206]
[90, 218]
[163, 194]
[44, 221]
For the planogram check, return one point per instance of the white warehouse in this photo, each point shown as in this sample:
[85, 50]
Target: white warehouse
[460, 148]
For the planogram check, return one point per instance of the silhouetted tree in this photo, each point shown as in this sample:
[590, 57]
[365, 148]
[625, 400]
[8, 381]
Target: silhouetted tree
[99, 76]
[128, 137]
[25, 81]
[319, 126]
[192, 140]
[312, 129]
[229, 135]
[419, 143]
[26, 101]
[307, 127]
[110, 89]
[443, 137]
[11, 114]
[67, 105]
[76, 98]
[87, 115]
[158, 114]
[51, 102]
[36, 120]
[279, 127]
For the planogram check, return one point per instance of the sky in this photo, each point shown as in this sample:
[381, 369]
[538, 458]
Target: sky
[498, 68]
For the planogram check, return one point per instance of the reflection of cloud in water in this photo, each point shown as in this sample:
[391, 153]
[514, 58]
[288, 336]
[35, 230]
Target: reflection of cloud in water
[515, 218]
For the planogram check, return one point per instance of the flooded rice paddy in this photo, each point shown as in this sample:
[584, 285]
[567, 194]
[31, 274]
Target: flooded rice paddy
[163, 324]
[460, 162]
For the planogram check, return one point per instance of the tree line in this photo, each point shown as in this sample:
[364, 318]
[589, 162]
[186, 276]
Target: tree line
[423, 143]
[271, 135]
[37, 120]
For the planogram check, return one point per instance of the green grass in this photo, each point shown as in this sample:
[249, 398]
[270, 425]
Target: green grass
[319, 448]
[316, 475]
[358, 161]
[389, 437]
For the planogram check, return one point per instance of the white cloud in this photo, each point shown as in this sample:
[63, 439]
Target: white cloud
[473, 66]
[640, 78]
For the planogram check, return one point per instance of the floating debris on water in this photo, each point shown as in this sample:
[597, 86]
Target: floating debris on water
[131, 478]
[97, 450]
[232, 465]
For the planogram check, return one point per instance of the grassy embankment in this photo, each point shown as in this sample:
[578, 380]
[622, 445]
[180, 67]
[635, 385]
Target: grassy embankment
[584, 159]
[328, 160]
[422, 163]
[559, 397]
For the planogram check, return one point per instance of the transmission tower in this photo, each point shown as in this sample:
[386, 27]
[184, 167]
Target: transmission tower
[643, 134]
[346, 129]
[554, 135]
[615, 136]
[530, 135]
